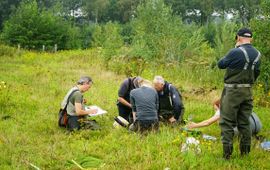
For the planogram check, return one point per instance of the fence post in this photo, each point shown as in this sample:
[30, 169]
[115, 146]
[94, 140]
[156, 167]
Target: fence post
[19, 46]
[55, 47]
[43, 48]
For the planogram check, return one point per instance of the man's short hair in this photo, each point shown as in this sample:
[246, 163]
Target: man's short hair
[159, 79]
[84, 79]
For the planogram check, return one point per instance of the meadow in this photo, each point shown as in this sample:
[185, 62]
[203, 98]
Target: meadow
[33, 85]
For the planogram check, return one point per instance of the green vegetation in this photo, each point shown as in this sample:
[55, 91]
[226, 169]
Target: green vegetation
[33, 85]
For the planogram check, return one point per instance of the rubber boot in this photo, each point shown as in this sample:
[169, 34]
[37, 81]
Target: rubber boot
[244, 149]
[227, 151]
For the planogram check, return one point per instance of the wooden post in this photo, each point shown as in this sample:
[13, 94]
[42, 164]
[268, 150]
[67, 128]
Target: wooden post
[19, 46]
[55, 47]
[43, 48]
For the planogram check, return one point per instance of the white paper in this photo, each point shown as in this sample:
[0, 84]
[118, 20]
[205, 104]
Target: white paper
[99, 110]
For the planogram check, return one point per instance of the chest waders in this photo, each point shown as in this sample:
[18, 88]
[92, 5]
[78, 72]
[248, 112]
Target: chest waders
[166, 106]
[236, 105]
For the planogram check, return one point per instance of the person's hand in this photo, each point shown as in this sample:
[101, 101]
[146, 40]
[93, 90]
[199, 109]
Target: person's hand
[92, 111]
[191, 125]
[216, 107]
[84, 101]
[172, 120]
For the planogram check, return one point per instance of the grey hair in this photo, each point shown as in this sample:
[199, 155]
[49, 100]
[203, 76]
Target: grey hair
[159, 79]
[84, 79]
[136, 81]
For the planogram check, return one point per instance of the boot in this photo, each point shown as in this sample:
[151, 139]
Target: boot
[227, 151]
[244, 149]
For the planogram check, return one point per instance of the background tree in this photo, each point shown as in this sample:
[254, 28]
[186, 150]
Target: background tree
[32, 28]
[6, 8]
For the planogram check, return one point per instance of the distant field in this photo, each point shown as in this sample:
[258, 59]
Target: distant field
[33, 85]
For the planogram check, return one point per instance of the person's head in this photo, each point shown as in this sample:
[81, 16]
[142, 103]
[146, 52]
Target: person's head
[158, 83]
[144, 82]
[84, 83]
[136, 81]
[243, 36]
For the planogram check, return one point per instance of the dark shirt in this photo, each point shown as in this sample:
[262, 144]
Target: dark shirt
[235, 59]
[176, 98]
[125, 89]
[144, 101]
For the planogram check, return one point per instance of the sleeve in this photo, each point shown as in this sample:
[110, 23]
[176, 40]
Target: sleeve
[178, 105]
[157, 101]
[132, 102]
[123, 89]
[226, 60]
[78, 98]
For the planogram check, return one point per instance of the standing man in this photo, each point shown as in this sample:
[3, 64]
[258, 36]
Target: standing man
[123, 102]
[242, 69]
[171, 108]
[144, 102]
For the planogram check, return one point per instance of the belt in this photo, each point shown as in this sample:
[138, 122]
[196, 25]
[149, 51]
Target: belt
[237, 85]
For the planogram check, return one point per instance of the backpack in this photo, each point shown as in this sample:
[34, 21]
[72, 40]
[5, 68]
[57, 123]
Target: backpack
[62, 115]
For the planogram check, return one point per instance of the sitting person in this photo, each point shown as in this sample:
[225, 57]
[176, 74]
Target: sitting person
[254, 121]
[75, 105]
[144, 102]
[123, 102]
[171, 108]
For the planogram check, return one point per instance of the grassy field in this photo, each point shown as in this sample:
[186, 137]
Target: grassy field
[32, 86]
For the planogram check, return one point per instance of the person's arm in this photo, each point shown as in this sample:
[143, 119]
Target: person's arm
[257, 70]
[81, 112]
[133, 106]
[124, 102]
[122, 92]
[204, 123]
[177, 103]
[226, 60]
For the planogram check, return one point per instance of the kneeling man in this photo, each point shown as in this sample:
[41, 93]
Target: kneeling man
[144, 102]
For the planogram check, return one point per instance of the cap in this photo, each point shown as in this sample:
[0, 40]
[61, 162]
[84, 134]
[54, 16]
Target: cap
[244, 32]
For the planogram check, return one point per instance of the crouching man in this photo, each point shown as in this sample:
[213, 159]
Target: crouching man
[171, 108]
[144, 103]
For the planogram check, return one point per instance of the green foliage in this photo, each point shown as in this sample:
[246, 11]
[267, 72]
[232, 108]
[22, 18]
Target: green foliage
[108, 37]
[260, 28]
[7, 51]
[224, 38]
[159, 36]
[32, 27]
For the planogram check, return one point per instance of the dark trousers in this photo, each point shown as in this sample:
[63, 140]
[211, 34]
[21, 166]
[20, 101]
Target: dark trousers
[81, 122]
[236, 108]
[125, 112]
[143, 126]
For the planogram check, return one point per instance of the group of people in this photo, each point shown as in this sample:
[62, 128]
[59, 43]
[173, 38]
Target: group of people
[144, 105]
